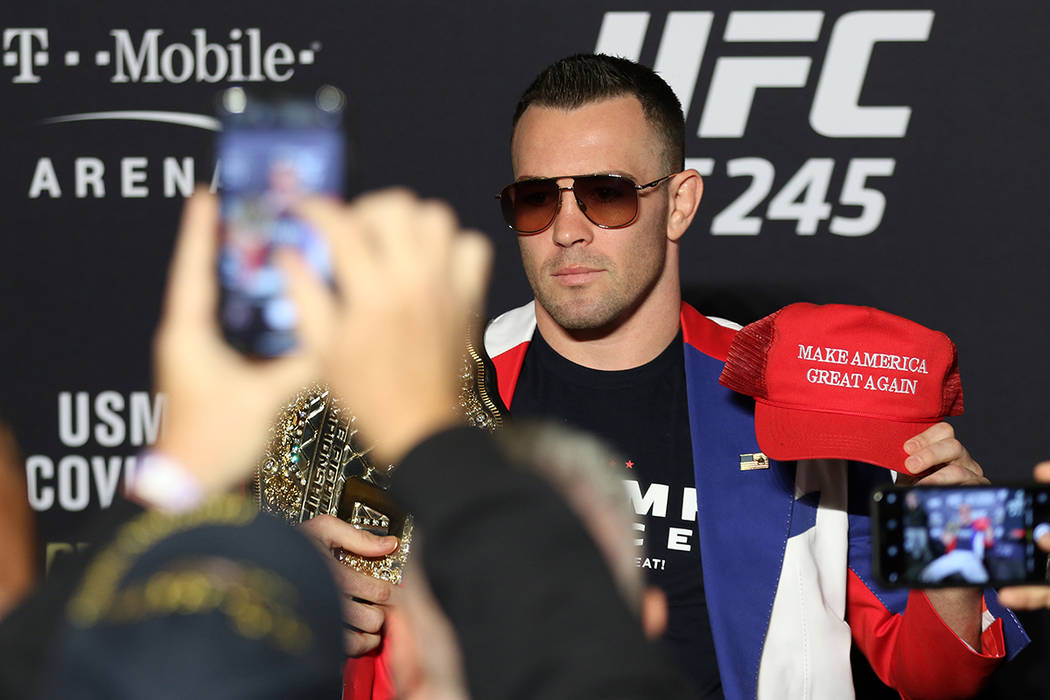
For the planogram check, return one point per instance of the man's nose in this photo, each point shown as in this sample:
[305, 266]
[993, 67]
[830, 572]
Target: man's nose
[570, 225]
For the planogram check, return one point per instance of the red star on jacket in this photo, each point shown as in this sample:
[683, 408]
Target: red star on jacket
[630, 464]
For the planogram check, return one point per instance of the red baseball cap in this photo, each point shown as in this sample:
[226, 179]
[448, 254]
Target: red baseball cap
[838, 381]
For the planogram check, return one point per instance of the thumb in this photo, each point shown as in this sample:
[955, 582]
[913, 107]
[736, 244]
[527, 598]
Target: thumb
[366, 544]
[330, 532]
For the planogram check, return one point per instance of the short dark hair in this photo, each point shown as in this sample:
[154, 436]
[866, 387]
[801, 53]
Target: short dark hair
[578, 80]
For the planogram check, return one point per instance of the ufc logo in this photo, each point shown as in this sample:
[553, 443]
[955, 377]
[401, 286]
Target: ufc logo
[835, 111]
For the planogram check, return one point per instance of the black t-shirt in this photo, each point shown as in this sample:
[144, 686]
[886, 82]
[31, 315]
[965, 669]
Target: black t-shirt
[643, 414]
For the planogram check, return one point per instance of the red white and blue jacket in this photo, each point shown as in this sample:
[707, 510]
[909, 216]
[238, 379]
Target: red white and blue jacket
[787, 553]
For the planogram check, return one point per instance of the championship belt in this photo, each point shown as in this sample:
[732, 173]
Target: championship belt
[314, 464]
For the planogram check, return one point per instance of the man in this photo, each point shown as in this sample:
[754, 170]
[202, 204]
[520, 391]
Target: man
[965, 543]
[506, 560]
[916, 535]
[600, 201]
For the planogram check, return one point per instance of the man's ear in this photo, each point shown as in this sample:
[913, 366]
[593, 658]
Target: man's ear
[686, 189]
[654, 612]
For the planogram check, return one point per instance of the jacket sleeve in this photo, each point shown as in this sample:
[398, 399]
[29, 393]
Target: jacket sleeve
[907, 643]
[532, 602]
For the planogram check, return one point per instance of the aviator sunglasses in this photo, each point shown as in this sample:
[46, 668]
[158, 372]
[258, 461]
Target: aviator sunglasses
[608, 201]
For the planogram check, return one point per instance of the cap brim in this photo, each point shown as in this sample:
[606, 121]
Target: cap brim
[792, 434]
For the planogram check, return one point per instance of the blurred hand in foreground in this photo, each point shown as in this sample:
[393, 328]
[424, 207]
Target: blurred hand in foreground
[410, 284]
[219, 403]
[389, 343]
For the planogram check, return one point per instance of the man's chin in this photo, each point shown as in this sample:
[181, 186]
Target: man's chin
[582, 317]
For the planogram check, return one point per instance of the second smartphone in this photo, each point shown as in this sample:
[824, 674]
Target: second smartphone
[933, 536]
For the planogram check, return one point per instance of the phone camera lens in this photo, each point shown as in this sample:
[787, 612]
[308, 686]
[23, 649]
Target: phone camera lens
[330, 99]
[891, 524]
[891, 498]
[234, 100]
[893, 577]
[892, 550]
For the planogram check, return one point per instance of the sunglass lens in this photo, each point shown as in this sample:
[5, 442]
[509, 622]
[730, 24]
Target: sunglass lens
[529, 206]
[608, 201]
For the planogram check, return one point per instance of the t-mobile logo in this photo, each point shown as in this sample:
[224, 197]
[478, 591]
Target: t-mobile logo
[835, 110]
[150, 57]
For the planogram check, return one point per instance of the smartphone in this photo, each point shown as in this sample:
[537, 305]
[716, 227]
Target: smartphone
[950, 536]
[272, 151]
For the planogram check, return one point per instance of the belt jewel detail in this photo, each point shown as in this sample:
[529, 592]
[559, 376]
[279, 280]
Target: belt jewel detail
[314, 466]
[368, 507]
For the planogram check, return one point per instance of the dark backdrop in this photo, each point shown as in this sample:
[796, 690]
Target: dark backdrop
[947, 123]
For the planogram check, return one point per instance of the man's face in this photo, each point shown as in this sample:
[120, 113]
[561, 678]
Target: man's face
[584, 276]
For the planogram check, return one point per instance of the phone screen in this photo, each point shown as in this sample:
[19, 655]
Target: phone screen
[960, 536]
[271, 154]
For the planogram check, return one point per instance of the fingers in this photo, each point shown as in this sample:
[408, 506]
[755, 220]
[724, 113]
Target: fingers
[363, 617]
[941, 452]
[354, 584]
[357, 643]
[408, 280]
[941, 458]
[935, 433]
[383, 236]
[364, 602]
[392, 234]
[436, 225]
[192, 287]
[363, 597]
[935, 445]
[1042, 471]
[951, 475]
[471, 263]
[396, 224]
[331, 533]
[1044, 542]
[342, 229]
[1025, 597]
[314, 302]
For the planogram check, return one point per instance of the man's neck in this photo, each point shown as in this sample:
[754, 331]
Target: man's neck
[627, 343]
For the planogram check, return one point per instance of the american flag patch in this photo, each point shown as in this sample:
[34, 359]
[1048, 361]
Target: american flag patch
[753, 460]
